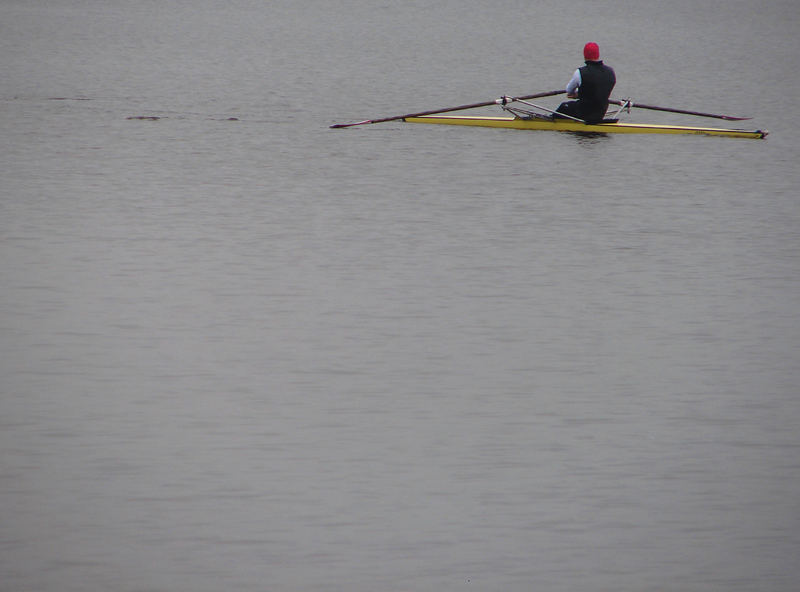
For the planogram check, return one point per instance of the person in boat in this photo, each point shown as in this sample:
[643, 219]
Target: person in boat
[590, 85]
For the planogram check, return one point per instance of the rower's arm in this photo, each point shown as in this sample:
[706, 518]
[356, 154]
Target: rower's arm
[573, 84]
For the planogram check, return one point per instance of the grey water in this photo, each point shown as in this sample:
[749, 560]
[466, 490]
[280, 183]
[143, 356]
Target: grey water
[240, 350]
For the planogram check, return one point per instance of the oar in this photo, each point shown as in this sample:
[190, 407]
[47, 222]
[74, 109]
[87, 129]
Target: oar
[684, 112]
[447, 109]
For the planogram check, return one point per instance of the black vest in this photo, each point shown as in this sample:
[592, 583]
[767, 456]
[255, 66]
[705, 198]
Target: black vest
[597, 82]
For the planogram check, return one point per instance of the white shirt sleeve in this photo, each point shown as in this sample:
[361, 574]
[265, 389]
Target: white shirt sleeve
[574, 82]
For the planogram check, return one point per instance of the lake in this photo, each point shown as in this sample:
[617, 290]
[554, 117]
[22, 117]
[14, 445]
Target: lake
[240, 350]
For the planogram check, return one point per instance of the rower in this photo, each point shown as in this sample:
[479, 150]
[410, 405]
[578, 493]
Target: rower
[591, 85]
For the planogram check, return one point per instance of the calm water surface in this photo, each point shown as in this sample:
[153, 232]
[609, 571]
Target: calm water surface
[242, 351]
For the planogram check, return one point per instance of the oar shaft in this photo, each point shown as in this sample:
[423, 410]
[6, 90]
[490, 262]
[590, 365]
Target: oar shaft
[682, 111]
[448, 109]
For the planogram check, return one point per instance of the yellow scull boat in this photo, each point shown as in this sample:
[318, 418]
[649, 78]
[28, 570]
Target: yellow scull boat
[568, 125]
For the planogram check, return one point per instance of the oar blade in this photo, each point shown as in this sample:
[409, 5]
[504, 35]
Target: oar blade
[732, 118]
[338, 125]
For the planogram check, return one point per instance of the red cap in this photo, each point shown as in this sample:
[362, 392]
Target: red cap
[591, 52]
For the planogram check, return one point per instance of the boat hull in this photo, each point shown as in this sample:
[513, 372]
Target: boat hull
[567, 125]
